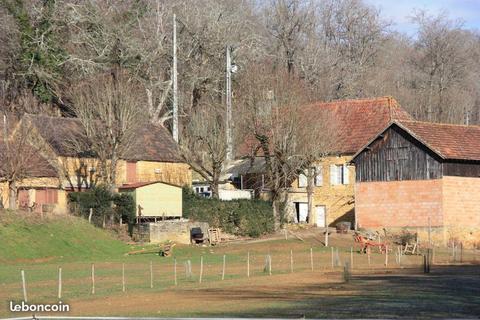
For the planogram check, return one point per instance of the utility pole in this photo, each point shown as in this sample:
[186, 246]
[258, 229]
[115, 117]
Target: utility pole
[174, 81]
[229, 106]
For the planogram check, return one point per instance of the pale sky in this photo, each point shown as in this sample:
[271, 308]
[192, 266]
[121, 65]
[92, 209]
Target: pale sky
[398, 11]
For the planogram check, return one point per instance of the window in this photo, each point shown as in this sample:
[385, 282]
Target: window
[302, 180]
[339, 174]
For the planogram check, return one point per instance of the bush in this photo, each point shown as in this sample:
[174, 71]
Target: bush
[100, 199]
[125, 207]
[240, 217]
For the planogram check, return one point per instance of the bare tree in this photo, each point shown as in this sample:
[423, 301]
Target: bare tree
[19, 159]
[289, 138]
[203, 143]
[110, 111]
[289, 22]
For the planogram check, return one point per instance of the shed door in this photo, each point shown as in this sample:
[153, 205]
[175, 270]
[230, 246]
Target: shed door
[131, 172]
[320, 212]
[45, 196]
[23, 198]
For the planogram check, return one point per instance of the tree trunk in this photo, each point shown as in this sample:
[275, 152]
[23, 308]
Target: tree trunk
[214, 185]
[12, 195]
[113, 172]
[279, 204]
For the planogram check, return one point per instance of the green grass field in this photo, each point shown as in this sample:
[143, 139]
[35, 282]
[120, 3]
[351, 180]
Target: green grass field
[40, 247]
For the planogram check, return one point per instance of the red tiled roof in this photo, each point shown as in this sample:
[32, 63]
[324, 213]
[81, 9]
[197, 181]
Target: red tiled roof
[449, 141]
[355, 122]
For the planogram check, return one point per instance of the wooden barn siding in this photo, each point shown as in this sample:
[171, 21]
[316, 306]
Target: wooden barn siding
[461, 169]
[396, 157]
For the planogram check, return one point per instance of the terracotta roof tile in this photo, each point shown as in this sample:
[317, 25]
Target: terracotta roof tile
[355, 122]
[449, 141]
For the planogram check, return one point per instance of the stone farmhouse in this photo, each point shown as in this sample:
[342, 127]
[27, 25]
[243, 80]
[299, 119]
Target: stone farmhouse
[423, 176]
[356, 122]
[72, 167]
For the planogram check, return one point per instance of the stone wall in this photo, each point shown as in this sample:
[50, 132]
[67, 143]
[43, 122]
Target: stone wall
[170, 230]
[175, 173]
[337, 199]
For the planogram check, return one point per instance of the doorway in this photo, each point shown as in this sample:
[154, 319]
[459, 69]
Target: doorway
[320, 212]
[301, 210]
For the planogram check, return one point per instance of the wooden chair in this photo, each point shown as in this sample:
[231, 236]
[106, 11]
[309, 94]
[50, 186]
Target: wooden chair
[366, 244]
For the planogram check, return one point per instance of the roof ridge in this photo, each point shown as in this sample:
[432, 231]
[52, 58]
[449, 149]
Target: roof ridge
[387, 99]
[442, 123]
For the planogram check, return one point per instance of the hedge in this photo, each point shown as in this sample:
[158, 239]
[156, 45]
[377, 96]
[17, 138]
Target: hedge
[100, 199]
[240, 217]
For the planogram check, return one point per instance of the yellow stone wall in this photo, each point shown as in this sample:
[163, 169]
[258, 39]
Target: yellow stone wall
[178, 174]
[170, 172]
[338, 199]
[61, 206]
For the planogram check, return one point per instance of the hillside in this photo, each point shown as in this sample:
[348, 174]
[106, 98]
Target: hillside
[27, 238]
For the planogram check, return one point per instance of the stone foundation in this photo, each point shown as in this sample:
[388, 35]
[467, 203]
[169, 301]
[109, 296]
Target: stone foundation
[170, 230]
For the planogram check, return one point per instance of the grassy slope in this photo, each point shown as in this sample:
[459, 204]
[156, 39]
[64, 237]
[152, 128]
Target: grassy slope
[26, 238]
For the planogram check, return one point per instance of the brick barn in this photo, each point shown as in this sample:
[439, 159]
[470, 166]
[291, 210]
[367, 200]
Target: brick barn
[421, 176]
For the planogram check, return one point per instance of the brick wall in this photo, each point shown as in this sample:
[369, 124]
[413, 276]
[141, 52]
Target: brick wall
[399, 203]
[461, 206]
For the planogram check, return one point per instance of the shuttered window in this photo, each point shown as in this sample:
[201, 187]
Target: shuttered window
[339, 174]
[346, 177]
[302, 181]
[318, 176]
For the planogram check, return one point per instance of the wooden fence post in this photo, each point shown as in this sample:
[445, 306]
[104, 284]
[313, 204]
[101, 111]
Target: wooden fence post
[248, 264]
[291, 261]
[123, 277]
[337, 259]
[346, 272]
[223, 268]
[269, 264]
[175, 270]
[24, 286]
[93, 278]
[311, 259]
[461, 252]
[326, 235]
[90, 215]
[201, 270]
[59, 282]
[386, 256]
[351, 257]
[151, 274]
[368, 256]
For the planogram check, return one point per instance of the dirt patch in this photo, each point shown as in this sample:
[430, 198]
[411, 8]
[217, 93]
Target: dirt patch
[447, 292]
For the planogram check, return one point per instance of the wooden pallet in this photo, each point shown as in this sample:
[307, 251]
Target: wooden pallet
[214, 235]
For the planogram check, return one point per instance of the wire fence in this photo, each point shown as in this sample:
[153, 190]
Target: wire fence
[80, 280]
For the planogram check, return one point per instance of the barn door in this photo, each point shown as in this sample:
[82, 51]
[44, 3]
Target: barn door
[23, 198]
[320, 216]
